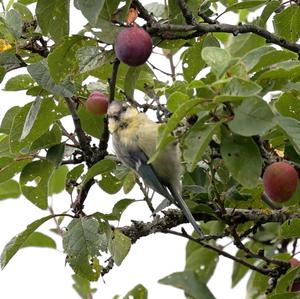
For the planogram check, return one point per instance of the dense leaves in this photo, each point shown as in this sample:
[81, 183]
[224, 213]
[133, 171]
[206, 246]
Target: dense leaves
[228, 94]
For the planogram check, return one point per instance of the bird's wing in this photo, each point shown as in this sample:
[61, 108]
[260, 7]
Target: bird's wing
[136, 159]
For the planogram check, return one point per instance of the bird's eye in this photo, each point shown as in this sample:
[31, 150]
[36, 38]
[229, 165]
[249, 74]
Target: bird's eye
[124, 108]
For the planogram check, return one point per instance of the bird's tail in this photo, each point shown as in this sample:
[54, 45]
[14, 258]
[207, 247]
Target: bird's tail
[186, 211]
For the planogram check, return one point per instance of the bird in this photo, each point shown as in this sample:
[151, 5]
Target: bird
[134, 139]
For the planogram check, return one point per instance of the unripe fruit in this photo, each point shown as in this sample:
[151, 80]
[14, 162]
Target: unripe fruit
[97, 103]
[133, 46]
[280, 181]
[294, 262]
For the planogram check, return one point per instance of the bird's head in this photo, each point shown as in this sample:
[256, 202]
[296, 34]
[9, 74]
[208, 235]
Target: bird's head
[120, 115]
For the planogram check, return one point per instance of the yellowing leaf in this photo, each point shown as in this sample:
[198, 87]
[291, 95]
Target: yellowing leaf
[4, 45]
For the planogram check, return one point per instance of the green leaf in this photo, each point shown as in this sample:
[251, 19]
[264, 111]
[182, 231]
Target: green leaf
[131, 77]
[82, 237]
[91, 58]
[110, 183]
[62, 60]
[40, 73]
[19, 82]
[48, 139]
[267, 12]
[9, 60]
[31, 117]
[242, 158]
[243, 43]
[291, 127]
[196, 142]
[273, 57]
[91, 124]
[35, 125]
[91, 9]
[34, 181]
[192, 63]
[129, 182]
[252, 58]
[73, 176]
[37, 239]
[176, 99]
[58, 180]
[82, 286]
[290, 229]
[287, 23]
[117, 211]
[53, 17]
[109, 31]
[285, 281]
[190, 282]
[217, 58]
[55, 154]
[285, 296]
[2, 73]
[23, 11]
[240, 87]
[138, 292]
[203, 261]
[173, 121]
[12, 247]
[14, 23]
[9, 189]
[100, 167]
[288, 105]
[245, 5]
[119, 247]
[8, 119]
[9, 167]
[252, 117]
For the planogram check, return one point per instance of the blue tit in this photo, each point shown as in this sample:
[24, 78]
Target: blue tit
[134, 138]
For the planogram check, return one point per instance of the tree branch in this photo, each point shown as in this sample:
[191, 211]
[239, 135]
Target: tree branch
[189, 18]
[173, 31]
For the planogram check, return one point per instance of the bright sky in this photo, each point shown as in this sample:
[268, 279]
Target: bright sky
[41, 273]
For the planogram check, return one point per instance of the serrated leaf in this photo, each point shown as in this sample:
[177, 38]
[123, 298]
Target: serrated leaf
[100, 167]
[23, 11]
[31, 117]
[173, 121]
[196, 142]
[217, 58]
[138, 292]
[109, 31]
[110, 183]
[252, 117]
[62, 60]
[129, 182]
[190, 283]
[82, 238]
[9, 189]
[287, 23]
[119, 247]
[53, 17]
[91, 9]
[286, 280]
[12, 247]
[40, 73]
[290, 228]
[19, 82]
[176, 99]
[37, 239]
[72, 177]
[267, 12]
[34, 181]
[245, 5]
[9, 60]
[242, 158]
